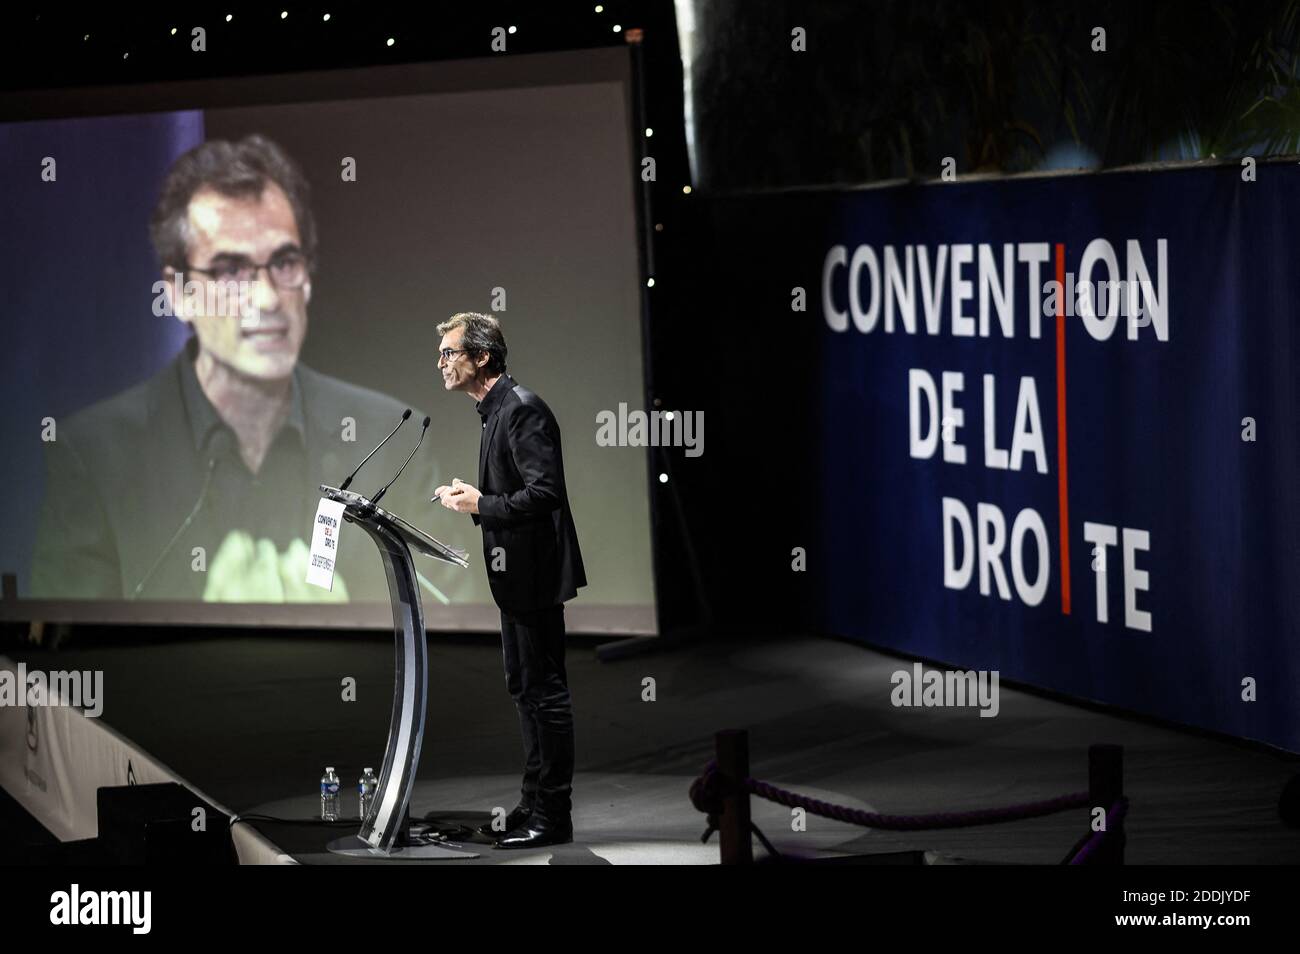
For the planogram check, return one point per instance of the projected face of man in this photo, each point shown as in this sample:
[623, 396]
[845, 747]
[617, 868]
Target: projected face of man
[260, 336]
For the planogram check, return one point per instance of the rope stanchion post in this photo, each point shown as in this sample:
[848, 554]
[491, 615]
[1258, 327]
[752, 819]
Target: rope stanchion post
[1106, 789]
[733, 824]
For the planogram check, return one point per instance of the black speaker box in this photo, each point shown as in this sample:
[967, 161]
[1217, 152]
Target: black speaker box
[155, 825]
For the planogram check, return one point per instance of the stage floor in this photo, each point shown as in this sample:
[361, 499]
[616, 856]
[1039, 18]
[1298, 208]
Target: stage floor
[251, 721]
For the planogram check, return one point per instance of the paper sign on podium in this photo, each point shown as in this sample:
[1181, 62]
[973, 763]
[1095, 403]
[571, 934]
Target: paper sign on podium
[324, 543]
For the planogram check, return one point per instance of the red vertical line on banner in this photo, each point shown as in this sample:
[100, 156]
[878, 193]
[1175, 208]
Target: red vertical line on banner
[1062, 467]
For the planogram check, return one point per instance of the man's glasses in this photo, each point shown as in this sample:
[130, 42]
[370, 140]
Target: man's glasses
[446, 354]
[287, 271]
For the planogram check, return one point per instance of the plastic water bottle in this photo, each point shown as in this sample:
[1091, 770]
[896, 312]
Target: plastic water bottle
[366, 791]
[329, 795]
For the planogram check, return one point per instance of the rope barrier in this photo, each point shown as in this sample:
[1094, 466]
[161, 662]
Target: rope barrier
[706, 795]
[722, 793]
[1114, 819]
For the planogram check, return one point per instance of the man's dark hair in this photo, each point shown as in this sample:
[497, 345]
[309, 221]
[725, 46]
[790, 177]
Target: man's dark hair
[240, 169]
[482, 335]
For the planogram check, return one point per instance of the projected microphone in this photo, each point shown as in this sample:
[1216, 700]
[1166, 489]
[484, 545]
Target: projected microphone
[218, 447]
[347, 483]
[384, 489]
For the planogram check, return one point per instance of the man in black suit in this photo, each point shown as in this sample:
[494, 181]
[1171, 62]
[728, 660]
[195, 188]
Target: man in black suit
[530, 549]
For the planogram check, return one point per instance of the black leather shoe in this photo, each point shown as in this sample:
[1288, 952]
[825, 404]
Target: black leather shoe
[536, 833]
[518, 816]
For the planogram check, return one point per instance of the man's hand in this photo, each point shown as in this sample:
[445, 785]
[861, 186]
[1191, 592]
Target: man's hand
[460, 496]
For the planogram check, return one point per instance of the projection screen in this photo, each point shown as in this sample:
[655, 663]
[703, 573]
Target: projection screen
[399, 196]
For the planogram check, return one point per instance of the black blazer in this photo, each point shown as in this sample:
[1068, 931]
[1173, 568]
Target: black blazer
[524, 510]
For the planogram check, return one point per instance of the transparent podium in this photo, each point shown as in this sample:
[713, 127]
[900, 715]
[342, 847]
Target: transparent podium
[385, 829]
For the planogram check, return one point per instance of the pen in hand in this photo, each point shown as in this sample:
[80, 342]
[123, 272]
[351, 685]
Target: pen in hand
[451, 488]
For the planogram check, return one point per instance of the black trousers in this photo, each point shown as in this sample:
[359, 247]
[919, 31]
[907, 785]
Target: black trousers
[532, 647]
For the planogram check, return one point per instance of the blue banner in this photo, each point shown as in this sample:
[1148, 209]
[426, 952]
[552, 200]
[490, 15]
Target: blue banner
[1060, 434]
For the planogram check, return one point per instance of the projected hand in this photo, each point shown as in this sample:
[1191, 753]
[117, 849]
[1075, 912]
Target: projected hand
[245, 570]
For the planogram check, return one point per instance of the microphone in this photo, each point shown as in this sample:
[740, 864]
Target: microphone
[218, 447]
[384, 490]
[348, 483]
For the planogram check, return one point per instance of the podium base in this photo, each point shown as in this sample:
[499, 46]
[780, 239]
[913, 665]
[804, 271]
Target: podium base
[353, 847]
